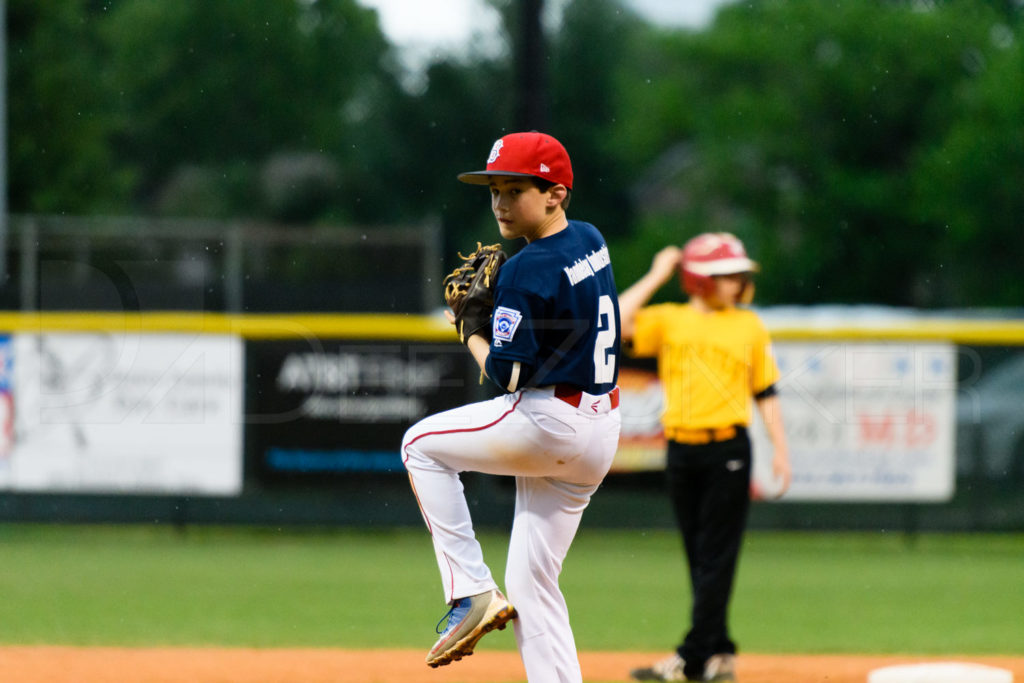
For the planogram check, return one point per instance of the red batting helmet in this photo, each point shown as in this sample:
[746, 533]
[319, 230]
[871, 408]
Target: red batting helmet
[710, 254]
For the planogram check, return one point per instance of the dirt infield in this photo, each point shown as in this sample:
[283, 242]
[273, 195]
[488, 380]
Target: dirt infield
[46, 664]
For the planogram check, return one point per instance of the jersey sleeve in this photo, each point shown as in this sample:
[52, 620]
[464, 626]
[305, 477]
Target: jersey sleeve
[648, 331]
[514, 333]
[764, 369]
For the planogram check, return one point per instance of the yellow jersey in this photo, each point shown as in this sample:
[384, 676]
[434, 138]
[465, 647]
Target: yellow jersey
[710, 364]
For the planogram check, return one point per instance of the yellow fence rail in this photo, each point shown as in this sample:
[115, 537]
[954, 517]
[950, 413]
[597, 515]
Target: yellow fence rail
[435, 328]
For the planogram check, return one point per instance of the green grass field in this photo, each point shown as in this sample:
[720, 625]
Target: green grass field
[796, 593]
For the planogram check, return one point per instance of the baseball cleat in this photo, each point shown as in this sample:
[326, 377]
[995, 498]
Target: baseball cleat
[721, 668]
[466, 623]
[668, 669]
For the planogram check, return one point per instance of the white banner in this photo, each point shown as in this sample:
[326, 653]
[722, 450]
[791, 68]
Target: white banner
[865, 422]
[123, 413]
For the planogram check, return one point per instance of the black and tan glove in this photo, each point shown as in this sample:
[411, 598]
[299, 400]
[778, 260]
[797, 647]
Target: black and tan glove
[469, 290]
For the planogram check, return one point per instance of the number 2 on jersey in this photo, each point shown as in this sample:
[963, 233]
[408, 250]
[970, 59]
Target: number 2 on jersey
[604, 360]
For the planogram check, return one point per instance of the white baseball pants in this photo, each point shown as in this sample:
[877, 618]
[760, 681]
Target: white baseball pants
[558, 454]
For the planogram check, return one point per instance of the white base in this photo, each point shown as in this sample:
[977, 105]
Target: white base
[944, 672]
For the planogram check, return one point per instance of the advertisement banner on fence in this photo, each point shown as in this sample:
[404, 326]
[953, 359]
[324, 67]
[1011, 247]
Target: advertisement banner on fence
[867, 422]
[864, 422]
[122, 413]
[322, 408]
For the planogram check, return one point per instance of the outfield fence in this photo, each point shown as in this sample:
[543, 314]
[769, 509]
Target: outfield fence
[58, 263]
[189, 418]
[158, 370]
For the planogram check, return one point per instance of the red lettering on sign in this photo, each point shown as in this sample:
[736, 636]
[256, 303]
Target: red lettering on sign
[920, 429]
[876, 429]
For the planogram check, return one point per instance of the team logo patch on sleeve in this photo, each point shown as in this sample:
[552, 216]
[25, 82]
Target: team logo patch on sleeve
[506, 320]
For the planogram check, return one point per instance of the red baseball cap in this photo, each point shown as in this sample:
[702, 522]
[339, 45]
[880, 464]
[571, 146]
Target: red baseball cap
[525, 154]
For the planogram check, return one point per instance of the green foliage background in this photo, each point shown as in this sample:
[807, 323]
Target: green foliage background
[866, 150]
[353, 588]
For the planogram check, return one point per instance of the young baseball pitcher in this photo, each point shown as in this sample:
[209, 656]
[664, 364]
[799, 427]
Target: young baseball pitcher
[552, 345]
[714, 357]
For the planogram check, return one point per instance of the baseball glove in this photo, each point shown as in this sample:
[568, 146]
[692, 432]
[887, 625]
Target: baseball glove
[469, 290]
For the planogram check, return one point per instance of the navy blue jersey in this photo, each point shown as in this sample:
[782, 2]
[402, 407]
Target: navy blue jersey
[556, 312]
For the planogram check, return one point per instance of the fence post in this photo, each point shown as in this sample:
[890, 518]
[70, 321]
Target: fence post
[29, 254]
[431, 263]
[234, 257]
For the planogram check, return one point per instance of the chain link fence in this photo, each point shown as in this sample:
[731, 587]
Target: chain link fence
[57, 263]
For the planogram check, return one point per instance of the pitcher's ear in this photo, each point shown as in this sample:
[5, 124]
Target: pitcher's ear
[557, 194]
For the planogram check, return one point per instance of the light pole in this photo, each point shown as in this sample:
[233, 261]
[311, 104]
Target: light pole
[531, 68]
[3, 142]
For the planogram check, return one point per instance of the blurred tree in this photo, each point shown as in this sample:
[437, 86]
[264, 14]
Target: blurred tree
[60, 107]
[798, 126]
[229, 86]
[866, 150]
[420, 141]
[479, 102]
[968, 184]
[587, 56]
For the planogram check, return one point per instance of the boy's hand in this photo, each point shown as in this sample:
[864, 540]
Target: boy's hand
[666, 263]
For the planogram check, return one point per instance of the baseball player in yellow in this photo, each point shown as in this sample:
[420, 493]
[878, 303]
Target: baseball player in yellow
[714, 362]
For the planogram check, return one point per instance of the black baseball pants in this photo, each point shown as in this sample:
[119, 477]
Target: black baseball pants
[709, 487]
